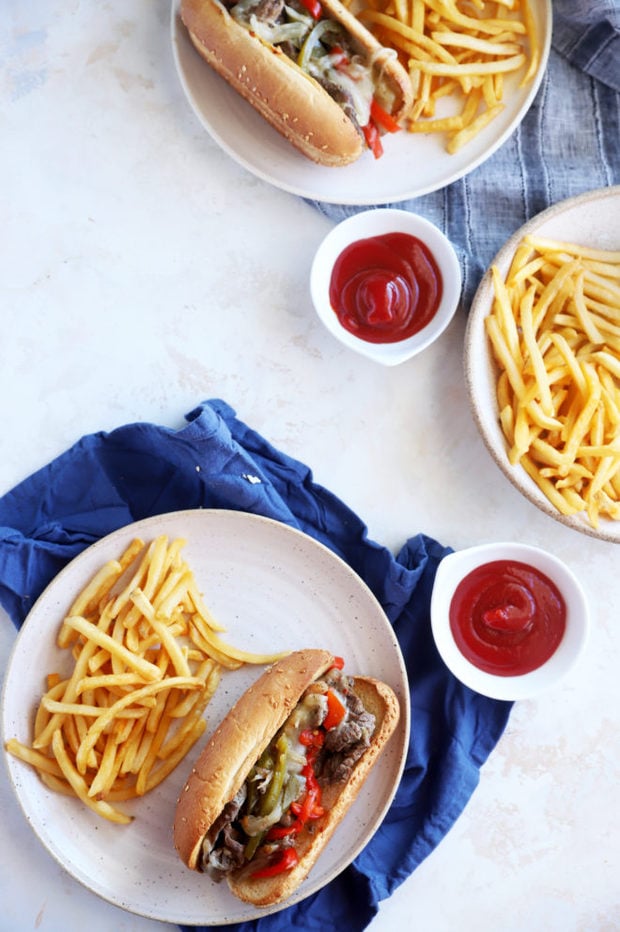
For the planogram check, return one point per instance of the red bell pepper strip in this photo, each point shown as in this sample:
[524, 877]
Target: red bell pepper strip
[314, 8]
[311, 738]
[336, 711]
[340, 59]
[384, 119]
[276, 832]
[310, 807]
[306, 811]
[373, 139]
[285, 862]
[338, 663]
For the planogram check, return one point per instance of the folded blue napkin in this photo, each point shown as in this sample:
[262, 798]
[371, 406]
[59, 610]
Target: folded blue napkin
[108, 480]
[588, 35]
[568, 143]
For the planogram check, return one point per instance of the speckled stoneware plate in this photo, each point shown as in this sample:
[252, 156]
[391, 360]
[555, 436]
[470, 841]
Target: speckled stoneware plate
[273, 588]
[591, 219]
[411, 166]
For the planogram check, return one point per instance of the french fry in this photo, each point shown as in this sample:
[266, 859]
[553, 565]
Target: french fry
[558, 360]
[467, 133]
[79, 785]
[147, 660]
[162, 633]
[148, 671]
[36, 759]
[96, 588]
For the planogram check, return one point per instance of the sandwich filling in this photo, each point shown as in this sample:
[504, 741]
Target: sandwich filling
[318, 745]
[323, 49]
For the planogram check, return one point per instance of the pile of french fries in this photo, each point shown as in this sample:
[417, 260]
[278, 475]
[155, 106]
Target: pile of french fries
[460, 50]
[555, 334]
[146, 659]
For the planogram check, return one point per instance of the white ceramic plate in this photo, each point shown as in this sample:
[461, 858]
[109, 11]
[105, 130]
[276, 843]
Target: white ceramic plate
[273, 588]
[593, 219]
[410, 167]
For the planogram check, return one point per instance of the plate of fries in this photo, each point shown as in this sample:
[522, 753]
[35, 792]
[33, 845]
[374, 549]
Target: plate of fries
[542, 362]
[475, 68]
[129, 660]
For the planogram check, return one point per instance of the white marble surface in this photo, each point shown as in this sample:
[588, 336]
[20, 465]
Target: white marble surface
[142, 271]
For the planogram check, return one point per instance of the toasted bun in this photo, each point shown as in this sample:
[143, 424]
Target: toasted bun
[289, 99]
[239, 741]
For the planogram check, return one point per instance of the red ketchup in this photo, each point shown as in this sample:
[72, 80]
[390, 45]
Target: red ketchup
[507, 618]
[385, 288]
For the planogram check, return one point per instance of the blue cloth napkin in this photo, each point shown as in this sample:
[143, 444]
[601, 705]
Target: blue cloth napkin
[568, 143]
[108, 480]
[587, 33]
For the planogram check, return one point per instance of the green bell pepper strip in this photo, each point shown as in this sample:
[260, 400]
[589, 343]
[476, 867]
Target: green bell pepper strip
[272, 796]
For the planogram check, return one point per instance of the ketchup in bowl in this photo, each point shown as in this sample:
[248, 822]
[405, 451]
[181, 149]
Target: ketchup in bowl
[507, 618]
[385, 288]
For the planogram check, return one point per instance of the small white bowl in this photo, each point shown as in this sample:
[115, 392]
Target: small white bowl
[376, 223]
[456, 566]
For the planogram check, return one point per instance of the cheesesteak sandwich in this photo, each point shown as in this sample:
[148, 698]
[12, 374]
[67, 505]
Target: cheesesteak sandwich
[309, 67]
[279, 773]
